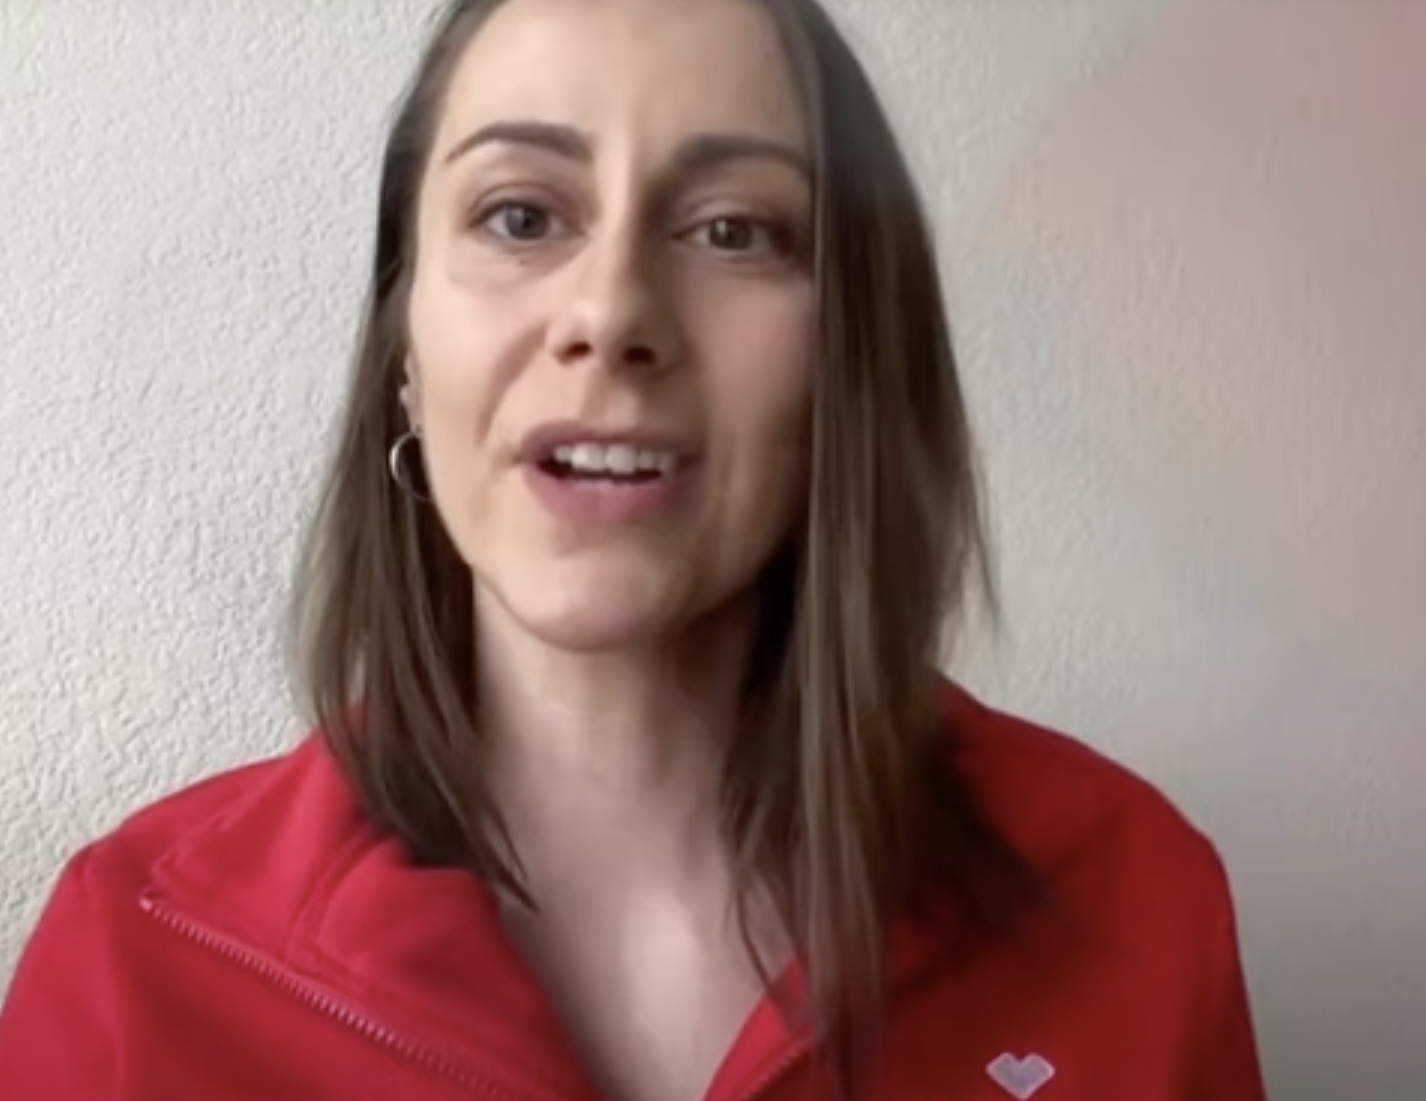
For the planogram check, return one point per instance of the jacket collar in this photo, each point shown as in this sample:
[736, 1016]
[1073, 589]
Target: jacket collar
[294, 872]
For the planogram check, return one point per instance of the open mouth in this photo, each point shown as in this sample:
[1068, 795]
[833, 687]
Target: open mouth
[613, 464]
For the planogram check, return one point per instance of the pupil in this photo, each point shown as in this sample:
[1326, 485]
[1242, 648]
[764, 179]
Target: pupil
[730, 234]
[523, 222]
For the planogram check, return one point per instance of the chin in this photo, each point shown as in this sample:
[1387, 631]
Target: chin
[591, 610]
[590, 634]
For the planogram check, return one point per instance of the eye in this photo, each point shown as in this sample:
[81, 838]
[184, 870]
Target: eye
[738, 235]
[517, 222]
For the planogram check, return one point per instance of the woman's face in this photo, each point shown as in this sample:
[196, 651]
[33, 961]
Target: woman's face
[611, 312]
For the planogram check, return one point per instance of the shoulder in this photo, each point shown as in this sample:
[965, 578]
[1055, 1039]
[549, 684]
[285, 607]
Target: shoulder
[95, 954]
[1103, 835]
[243, 813]
[1151, 963]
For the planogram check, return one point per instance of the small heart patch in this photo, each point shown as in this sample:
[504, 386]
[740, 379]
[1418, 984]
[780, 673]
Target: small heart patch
[1020, 1078]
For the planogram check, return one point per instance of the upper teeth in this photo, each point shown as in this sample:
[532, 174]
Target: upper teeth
[614, 459]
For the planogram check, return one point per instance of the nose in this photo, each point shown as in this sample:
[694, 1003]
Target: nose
[615, 314]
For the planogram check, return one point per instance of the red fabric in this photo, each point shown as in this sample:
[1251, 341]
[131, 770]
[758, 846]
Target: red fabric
[252, 937]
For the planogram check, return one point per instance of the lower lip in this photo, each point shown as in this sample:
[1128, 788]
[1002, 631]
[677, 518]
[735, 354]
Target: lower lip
[605, 501]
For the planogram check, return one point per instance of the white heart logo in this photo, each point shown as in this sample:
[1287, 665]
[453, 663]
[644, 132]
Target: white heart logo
[1020, 1078]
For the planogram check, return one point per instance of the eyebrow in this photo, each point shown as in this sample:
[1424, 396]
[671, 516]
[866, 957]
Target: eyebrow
[696, 154]
[703, 152]
[562, 140]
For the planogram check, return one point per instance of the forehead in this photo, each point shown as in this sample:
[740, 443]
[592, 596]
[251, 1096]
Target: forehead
[663, 66]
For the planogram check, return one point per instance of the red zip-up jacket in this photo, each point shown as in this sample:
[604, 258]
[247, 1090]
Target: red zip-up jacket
[254, 937]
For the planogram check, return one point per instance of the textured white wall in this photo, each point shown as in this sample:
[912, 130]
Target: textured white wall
[1188, 263]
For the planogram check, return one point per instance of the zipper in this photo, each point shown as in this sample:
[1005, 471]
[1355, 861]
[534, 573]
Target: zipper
[776, 1073]
[353, 1020]
[318, 1000]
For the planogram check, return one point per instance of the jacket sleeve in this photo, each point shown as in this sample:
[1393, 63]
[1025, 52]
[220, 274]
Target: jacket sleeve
[56, 1031]
[1225, 1066]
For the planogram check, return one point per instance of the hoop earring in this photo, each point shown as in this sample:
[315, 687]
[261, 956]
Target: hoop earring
[407, 467]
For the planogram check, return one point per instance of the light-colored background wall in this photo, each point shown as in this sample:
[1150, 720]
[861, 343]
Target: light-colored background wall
[1187, 249]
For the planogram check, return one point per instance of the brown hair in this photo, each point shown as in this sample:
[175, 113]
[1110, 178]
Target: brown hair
[840, 795]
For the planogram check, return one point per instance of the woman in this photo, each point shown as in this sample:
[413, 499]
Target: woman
[634, 778]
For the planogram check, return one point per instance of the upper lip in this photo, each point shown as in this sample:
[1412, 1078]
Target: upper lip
[539, 444]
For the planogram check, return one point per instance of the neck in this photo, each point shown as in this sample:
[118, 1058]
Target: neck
[612, 758]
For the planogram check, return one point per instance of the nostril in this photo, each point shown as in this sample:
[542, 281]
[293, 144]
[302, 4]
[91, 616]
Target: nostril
[632, 352]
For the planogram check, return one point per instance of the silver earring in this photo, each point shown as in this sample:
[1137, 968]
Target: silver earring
[407, 466]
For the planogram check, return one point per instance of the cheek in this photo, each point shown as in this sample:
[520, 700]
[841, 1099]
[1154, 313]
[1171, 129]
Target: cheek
[767, 411]
[774, 394]
[460, 380]
[466, 352]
